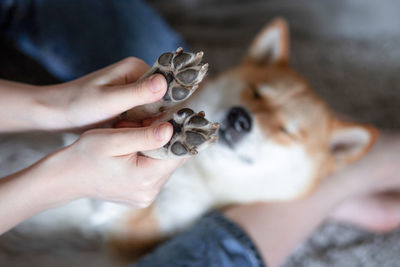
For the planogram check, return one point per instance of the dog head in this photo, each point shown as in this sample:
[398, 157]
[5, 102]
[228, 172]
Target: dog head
[277, 138]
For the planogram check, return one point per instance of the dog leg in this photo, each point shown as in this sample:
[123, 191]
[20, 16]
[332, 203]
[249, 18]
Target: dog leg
[183, 72]
[192, 133]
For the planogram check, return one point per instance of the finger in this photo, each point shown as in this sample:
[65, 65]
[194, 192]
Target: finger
[161, 170]
[127, 124]
[149, 121]
[139, 93]
[126, 71]
[123, 141]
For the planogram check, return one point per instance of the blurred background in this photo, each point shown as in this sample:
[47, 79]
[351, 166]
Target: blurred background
[348, 51]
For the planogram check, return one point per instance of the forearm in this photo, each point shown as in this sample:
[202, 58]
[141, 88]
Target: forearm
[33, 190]
[28, 107]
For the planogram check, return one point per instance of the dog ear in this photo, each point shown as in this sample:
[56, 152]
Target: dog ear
[271, 45]
[350, 141]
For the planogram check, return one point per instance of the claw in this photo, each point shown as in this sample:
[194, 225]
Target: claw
[179, 50]
[213, 139]
[215, 125]
[193, 151]
[204, 68]
[194, 87]
[197, 58]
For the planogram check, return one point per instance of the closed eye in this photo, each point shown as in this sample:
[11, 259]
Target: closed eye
[284, 130]
[288, 133]
[256, 93]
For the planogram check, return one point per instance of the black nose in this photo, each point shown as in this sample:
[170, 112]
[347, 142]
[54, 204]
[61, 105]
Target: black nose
[239, 119]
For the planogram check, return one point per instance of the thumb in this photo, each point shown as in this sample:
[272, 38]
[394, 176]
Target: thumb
[139, 93]
[129, 140]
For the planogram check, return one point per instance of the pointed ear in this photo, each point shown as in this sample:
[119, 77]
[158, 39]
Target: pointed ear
[350, 141]
[271, 46]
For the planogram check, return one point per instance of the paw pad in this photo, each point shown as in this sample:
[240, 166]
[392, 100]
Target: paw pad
[192, 133]
[183, 72]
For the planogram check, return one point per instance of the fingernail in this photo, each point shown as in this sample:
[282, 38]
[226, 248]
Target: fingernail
[157, 83]
[163, 132]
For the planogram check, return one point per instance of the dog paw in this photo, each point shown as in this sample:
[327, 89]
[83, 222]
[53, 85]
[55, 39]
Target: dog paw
[192, 134]
[183, 72]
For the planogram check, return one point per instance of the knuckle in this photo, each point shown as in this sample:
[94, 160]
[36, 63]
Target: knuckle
[147, 184]
[131, 60]
[148, 136]
[141, 86]
[149, 196]
[143, 204]
[134, 62]
[86, 139]
[94, 140]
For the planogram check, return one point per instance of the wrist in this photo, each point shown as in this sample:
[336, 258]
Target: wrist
[33, 190]
[50, 106]
[57, 178]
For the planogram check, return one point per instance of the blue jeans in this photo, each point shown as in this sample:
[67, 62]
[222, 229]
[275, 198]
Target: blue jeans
[71, 38]
[214, 241]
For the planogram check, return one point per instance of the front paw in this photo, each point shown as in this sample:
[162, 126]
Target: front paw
[192, 134]
[183, 72]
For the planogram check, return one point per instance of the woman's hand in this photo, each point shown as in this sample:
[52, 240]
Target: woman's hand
[93, 99]
[103, 95]
[102, 163]
[105, 164]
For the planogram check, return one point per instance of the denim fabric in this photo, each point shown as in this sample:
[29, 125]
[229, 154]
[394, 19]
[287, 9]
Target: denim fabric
[213, 241]
[73, 37]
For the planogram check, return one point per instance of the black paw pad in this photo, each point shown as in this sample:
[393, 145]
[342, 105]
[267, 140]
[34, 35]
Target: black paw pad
[194, 139]
[179, 93]
[181, 60]
[198, 121]
[165, 59]
[178, 149]
[185, 111]
[187, 76]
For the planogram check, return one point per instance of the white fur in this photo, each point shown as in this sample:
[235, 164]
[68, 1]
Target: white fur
[269, 41]
[257, 169]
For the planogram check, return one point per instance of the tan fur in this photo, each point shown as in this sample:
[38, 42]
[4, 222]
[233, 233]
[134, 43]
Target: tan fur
[292, 95]
[138, 232]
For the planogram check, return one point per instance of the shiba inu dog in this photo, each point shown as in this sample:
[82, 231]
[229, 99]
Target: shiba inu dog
[277, 140]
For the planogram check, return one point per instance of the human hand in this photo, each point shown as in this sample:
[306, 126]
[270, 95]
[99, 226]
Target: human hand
[105, 164]
[102, 163]
[100, 96]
